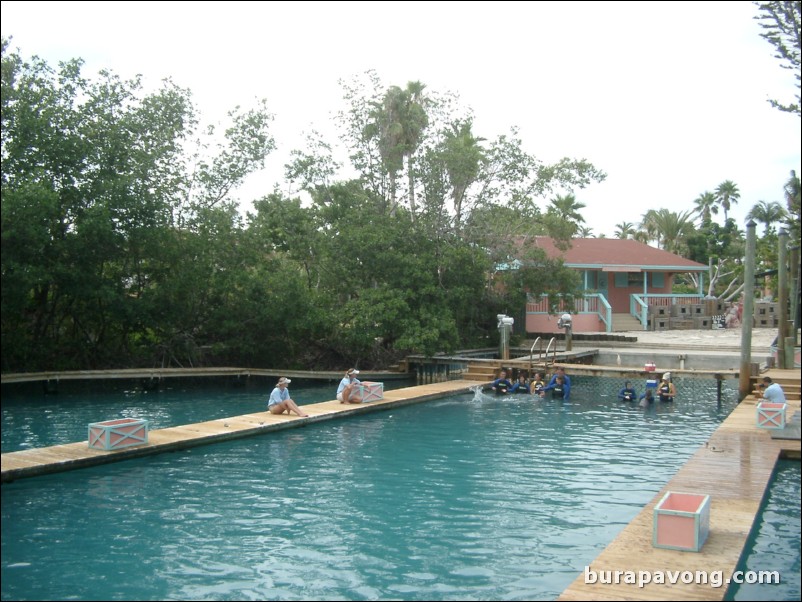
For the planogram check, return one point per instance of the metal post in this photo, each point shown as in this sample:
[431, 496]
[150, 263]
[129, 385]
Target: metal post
[745, 375]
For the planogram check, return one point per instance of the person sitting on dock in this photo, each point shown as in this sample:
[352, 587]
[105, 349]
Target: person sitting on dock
[772, 391]
[501, 385]
[280, 400]
[349, 391]
[559, 388]
[666, 390]
[566, 382]
[628, 393]
[647, 398]
[521, 385]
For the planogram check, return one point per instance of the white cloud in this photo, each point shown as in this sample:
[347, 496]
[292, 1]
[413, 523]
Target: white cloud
[669, 98]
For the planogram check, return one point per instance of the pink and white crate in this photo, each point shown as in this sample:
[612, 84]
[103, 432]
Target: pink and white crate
[681, 521]
[771, 414]
[117, 434]
[371, 391]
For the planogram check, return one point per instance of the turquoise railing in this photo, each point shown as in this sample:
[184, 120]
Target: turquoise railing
[589, 303]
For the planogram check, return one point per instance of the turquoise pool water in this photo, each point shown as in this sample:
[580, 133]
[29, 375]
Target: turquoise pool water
[464, 498]
[31, 418]
[776, 539]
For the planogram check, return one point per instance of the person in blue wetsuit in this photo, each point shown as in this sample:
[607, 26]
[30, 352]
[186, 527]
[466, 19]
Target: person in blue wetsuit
[501, 385]
[559, 389]
[628, 393]
[521, 385]
[566, 383]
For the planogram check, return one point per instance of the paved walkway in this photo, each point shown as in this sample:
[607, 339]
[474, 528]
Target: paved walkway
[762, 338]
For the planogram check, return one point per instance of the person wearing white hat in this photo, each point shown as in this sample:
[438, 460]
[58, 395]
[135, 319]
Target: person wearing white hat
[666, 389]
[349, 391]
[280, 400]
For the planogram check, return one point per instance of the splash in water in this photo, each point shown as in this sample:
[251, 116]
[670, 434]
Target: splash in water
[479, 394]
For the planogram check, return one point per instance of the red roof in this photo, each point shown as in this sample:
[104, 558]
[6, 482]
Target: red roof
[598, 253]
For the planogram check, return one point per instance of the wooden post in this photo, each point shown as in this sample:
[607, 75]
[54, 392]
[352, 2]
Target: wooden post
[795, 270]
[745, 373]
[782, 299]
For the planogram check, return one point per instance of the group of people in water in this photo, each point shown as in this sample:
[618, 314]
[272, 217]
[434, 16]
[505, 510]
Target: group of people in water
[665, 391]
[560, 387]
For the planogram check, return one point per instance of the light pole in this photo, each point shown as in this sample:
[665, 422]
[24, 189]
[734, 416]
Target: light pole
[566, 322]
[505, 329]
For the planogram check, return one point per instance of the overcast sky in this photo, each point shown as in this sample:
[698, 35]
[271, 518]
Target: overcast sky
[668, 98]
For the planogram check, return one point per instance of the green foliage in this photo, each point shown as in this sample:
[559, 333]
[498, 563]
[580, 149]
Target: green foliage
[122, 246]
[781, 24]
[108, 254]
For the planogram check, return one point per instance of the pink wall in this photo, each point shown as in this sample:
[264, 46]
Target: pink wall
[618, 298]
[545, 323]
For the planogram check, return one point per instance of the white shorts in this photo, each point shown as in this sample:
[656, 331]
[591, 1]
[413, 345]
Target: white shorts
[339, 396]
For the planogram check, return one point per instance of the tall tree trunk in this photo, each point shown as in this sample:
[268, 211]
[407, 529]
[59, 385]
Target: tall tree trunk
[411, 176]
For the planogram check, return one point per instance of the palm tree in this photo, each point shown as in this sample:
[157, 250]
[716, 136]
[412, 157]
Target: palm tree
[567, 208]
[793, 201]
[624, 230]
[705, 206]
[727, 194]
[767, 213]
[414, 121]
[386, 127]
[673, 229]
[648, 228]
[463, 157]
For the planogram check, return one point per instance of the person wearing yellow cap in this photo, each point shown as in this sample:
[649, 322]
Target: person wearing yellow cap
[349, 391]
[280, 400]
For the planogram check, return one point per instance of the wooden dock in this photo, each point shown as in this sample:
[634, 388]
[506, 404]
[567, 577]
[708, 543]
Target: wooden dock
[734, 468]
[155, 374]
[58, 458]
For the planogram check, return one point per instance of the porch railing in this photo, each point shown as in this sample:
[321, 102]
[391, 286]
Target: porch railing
[589, 303]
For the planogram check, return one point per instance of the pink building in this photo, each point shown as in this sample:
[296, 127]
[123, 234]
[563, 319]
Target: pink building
[618, 276]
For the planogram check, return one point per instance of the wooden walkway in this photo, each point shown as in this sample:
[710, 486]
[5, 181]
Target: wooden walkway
[58, 458]
[161, 373]
[734, 467]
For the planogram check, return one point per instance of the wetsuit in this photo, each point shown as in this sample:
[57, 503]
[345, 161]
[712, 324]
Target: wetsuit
[520, 387]
[627, 394]
[501, 386]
